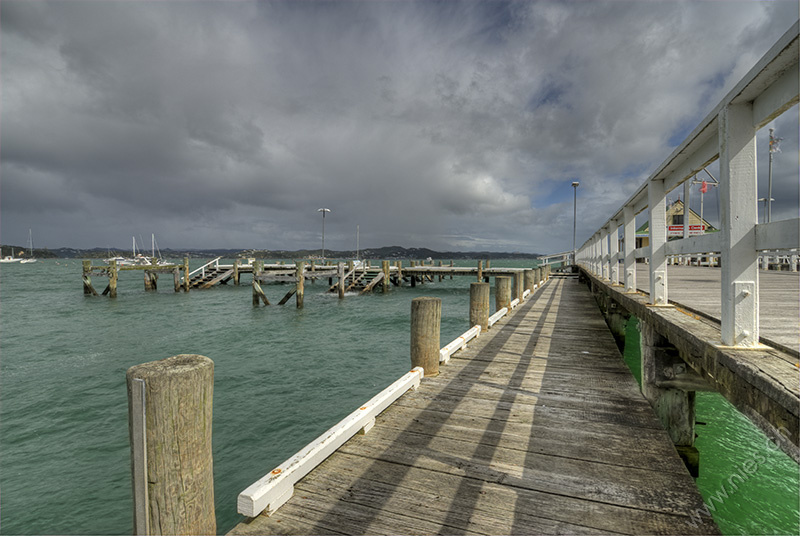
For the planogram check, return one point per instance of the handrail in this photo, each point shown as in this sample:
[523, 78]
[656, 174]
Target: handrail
[726, 134]
[202, 269]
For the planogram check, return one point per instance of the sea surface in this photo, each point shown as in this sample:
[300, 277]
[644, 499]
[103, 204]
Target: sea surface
[282, 377]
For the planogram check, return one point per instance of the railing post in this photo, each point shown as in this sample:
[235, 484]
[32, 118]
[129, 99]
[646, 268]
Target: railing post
[657, 208]
[629, 244]
[738, 218]
[502, 292]
[604, 254]
[613, 252]
[170, 415]
[479, 305]
[426, 320]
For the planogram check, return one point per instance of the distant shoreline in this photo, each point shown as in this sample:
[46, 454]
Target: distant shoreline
[390, 252]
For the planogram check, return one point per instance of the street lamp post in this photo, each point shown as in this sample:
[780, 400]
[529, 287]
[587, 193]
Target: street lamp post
[323, 210]
[574, 217]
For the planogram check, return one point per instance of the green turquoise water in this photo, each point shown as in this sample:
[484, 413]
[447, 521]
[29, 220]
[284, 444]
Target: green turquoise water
[747, 485]
[282, 377]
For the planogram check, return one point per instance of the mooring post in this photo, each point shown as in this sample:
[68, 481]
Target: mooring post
[186, 274]
[341, 281]
[301, 278]
[480, 271]
[518, 283]
[451, 273]
[113, 276]
[529, 279]
[674, 407]
[426, 319]
[87, 278]
[502, 292]
[385, 282]
[399, 265]
[169, 423]
[149, 281]
[479, 304]
[441, 277]
[236, 272]
[176, 279]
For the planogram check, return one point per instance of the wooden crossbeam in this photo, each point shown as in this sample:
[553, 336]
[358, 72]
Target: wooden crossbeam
[288, 295]
[374, 282]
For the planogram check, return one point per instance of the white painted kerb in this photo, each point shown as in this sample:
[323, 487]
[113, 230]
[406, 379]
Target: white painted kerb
[274, 489]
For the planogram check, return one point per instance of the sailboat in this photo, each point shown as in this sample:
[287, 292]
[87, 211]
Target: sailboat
[30, 249]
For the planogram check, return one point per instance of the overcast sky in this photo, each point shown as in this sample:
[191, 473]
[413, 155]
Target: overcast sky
[450, 125]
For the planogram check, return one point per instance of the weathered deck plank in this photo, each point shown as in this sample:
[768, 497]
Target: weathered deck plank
[536, 427]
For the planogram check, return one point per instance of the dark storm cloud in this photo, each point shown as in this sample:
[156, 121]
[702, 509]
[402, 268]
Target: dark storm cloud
[452, 125]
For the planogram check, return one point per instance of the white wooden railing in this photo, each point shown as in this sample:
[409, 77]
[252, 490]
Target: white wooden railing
[727, 134]
[202, 269]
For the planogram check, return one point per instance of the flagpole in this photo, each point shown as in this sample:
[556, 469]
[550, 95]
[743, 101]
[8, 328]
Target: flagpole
[769, 187]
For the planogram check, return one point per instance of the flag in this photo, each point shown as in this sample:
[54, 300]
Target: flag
[774, 143]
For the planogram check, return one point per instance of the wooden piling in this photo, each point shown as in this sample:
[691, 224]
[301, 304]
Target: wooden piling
[258, 294]
[300, 277]
[341, 281]
[186, 274]
[150, 281]
[451, 265]
[236, 272]
[113, 277]
[662, 366]
[87, 279]
[502, 292]
[529, 276]
[170, 416]
[479, 305]
[440, 275]
[176, 279]
[518, 285]
[480, 271]
[426, 319]
[385, 268]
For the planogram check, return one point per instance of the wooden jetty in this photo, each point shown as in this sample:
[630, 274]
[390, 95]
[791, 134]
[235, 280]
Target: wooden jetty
[537, 427]
[533, 424]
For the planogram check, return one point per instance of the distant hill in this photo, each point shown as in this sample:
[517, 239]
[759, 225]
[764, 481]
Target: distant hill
[388, 253]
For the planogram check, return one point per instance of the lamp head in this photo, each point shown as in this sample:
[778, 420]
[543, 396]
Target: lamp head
[575, 184]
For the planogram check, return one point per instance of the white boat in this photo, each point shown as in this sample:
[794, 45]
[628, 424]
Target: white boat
[138, 259]
[30, 249]
[10, 258]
